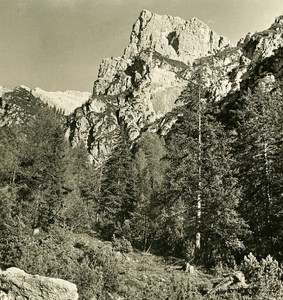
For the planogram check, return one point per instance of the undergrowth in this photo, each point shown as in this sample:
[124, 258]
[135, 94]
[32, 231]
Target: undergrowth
[114, 270]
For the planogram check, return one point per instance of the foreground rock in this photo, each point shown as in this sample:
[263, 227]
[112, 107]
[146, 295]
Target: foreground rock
[16, 284]
[234, 281]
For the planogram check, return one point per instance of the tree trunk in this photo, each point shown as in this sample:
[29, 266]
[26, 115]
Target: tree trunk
[267, 188]
[267, 174]
[199, 200]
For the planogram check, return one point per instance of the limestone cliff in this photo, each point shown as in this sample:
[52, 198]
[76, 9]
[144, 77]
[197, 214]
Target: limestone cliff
[137, 90]
[141, 86]
[173, 37]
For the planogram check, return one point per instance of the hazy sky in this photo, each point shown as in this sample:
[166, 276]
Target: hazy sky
[59, 44]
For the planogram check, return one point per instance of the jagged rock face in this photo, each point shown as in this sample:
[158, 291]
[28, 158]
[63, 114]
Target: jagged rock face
[138, 89]
[170, 37]
[142, 85]
[173, 37]
[261, 45]
[143, 92]
[16, 284]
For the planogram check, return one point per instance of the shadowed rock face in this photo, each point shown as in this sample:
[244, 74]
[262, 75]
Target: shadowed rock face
[139, 89]
[16, 284]
[262, 44]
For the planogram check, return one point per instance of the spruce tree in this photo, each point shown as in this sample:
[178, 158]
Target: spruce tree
[42, 170]
[118, 190]
[259, 152]
[201, 184]
[150, 168]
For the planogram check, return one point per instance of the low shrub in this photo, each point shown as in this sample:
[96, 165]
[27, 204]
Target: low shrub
[122, 245]
[56, 254]
[264, 277]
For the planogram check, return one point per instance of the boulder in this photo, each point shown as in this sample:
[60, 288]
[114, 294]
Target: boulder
[234, 281]
[17, 284]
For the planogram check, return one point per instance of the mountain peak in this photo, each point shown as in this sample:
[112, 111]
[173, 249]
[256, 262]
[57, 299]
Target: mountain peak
[145, 12]
[173, 37]
[23, 87]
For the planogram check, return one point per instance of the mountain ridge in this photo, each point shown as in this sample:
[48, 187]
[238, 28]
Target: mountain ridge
[11, 107]
[142, 86]
[139, 88]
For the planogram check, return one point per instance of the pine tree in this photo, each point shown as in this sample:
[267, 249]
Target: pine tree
[80, 190]
[12, 138]
[42, 170]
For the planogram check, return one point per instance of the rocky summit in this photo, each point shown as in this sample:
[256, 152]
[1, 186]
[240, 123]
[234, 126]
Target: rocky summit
[142, 85]
[164, 54]
[173, 37]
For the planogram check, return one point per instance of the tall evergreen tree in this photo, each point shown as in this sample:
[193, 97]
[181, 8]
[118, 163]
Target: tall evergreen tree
[259, 152]
[150, 168]
[12, 139]
[43, 168]
[201, 184]
[80, 189]
[118, 190]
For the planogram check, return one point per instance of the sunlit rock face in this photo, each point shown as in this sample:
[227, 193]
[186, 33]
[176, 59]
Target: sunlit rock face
[141, 86]
[173, 37]
[16, 284]
[137, 91]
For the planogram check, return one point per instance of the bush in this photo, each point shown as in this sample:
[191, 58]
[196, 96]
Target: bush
[122, 245]
[58, 254]
[10, 251]
[265, 277]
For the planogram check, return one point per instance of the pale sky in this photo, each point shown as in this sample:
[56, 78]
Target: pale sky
[59, 44]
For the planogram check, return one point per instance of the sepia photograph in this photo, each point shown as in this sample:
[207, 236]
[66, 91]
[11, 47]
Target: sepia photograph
[141, 150]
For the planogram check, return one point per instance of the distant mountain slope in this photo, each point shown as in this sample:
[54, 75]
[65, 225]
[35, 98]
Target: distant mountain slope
[19, 104]
[67, 100]
[3, 90]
